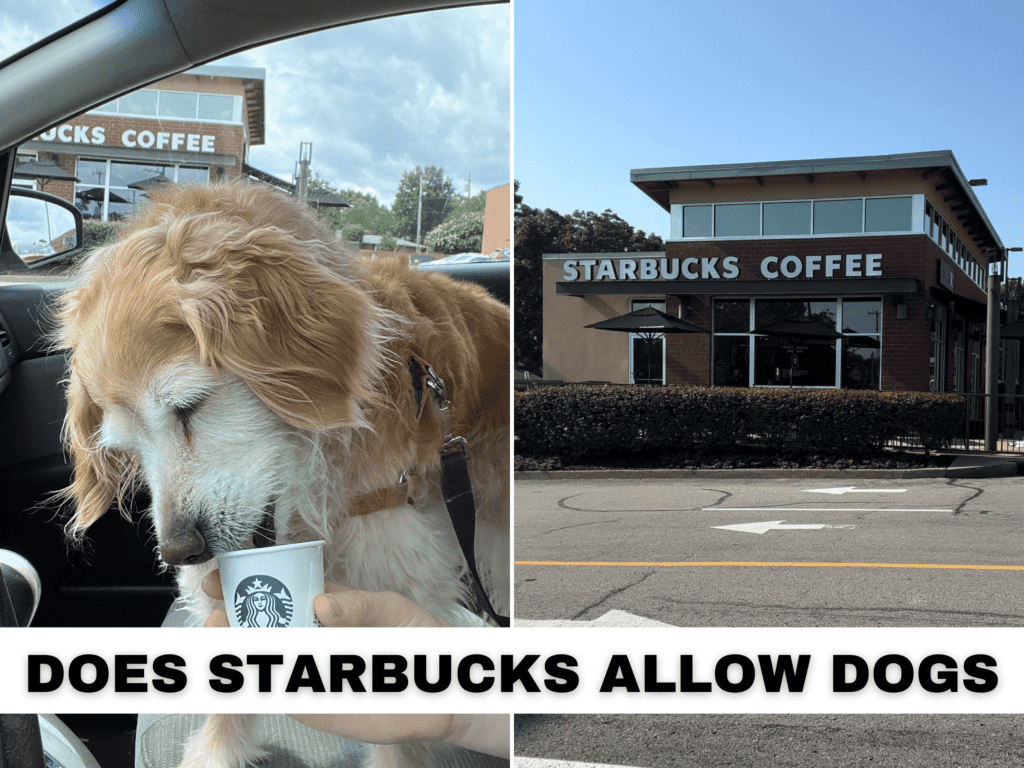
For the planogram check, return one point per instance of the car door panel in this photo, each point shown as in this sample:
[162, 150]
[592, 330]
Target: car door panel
[113, 578]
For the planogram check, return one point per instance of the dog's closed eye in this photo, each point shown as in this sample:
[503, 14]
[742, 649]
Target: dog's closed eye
[184, 412]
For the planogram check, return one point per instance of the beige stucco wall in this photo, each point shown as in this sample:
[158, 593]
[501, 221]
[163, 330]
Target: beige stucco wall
[498, 219]
[573, 352]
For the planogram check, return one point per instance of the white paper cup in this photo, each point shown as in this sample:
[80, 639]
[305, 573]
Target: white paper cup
[273, 586]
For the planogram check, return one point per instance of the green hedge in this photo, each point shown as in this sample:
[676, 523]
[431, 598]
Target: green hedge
[577, 421]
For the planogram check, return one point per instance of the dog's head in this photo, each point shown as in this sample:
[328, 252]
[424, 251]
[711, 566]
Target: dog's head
[218, 327]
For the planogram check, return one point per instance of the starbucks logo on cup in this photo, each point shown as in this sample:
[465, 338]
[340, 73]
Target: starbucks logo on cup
[263, 601]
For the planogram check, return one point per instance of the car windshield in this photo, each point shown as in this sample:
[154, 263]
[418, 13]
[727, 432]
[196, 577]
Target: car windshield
[396, 131]
[26, 23]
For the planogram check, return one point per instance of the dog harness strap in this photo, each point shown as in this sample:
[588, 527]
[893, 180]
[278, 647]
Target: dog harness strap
[458, 497]
[456, 486]
[382, 498]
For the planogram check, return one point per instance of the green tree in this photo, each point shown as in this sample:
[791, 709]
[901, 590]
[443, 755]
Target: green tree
[438, 193]
[538, 232]
[462, 232]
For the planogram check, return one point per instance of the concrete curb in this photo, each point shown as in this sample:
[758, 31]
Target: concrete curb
[963, 466]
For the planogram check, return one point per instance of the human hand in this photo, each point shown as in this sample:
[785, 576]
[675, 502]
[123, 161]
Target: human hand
[343, 606]
[481, 733]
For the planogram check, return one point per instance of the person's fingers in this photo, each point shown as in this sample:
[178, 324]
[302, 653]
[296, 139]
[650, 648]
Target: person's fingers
[211, 585]
[382, 729]
[219, 618]
[345, 607]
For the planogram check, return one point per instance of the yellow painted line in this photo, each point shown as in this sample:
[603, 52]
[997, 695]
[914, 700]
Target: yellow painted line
[755, 564]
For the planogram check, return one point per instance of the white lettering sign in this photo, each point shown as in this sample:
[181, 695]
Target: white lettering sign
[714, 268]
[131, 138]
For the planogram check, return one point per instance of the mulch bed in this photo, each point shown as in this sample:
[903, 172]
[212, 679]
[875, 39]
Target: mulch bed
[739, 458]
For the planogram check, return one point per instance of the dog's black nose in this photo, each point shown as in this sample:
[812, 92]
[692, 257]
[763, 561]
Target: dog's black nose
[185, 547]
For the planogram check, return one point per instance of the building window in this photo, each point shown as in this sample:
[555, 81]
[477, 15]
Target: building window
[888, 214]
[834, 217]
[108, 190]
[697, 220]
[744, 359]
[738, 220]
[795, 218]
[787, 218]
[646, 354]
[206, 107]
[959, 354]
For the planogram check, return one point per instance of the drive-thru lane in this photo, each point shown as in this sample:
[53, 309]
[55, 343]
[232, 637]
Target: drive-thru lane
[781, 552]
[795, 741]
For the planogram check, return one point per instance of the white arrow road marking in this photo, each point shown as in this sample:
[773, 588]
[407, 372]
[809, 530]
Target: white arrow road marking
[818, 509]
[777, 525]
[538, 762]
[614, 618]
[852, 489]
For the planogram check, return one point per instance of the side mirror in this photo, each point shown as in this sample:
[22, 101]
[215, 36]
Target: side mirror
[40, 227]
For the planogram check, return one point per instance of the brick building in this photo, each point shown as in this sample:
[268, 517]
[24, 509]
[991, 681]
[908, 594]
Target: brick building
[890, 253]
[195, 127]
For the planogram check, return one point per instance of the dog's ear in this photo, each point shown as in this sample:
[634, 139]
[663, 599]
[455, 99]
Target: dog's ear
[265, 307]
[99, 475]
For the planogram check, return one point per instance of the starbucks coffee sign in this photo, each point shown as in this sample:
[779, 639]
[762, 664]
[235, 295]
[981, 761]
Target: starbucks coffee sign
[721, 268]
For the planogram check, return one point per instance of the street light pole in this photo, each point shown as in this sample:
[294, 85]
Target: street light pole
[992, 352]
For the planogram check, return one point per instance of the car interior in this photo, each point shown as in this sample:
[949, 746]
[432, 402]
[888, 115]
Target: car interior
[114, 579]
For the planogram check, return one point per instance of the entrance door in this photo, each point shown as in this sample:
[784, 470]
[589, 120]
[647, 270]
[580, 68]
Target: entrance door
[646, 355]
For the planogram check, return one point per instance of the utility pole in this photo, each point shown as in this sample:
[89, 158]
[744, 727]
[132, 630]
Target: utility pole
[419, 213]
[302, 182]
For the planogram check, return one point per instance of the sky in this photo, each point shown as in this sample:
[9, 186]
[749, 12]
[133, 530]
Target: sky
[375, 99]
[656, 83]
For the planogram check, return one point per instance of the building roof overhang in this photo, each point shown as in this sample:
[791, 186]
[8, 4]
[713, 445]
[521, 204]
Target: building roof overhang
[253, 79]
[939, 166]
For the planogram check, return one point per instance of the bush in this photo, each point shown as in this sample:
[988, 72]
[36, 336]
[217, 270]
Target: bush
[97, 233]
[577, 421]
[459, 233]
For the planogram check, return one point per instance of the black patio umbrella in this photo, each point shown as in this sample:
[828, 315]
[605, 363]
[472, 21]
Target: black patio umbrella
[96, 195]
[35, 169]
[650, 324]
[152, 181]
[797, 330]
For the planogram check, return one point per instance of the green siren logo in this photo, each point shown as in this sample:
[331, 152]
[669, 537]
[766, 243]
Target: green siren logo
[263, 601]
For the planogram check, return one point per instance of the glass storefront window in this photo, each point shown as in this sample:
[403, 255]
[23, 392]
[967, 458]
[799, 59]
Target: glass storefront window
[106, 192]
[787, 218]
[732, 316]
[856, 358]
[838, 216]
[188, 175]
[887, 214]
[174, 104]
[732, 361]
[785, 362]
[697, 220]
[215, 107]
[862, 363]
[862, 316]
[123, 174]
[138, 103]
[771, 310]
[738, 220]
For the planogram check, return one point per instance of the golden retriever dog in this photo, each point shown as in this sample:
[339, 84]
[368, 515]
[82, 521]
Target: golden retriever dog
[228, 355]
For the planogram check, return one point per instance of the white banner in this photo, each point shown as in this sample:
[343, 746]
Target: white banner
[591, 670]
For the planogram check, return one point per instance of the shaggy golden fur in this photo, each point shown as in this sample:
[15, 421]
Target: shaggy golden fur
[226, 353]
